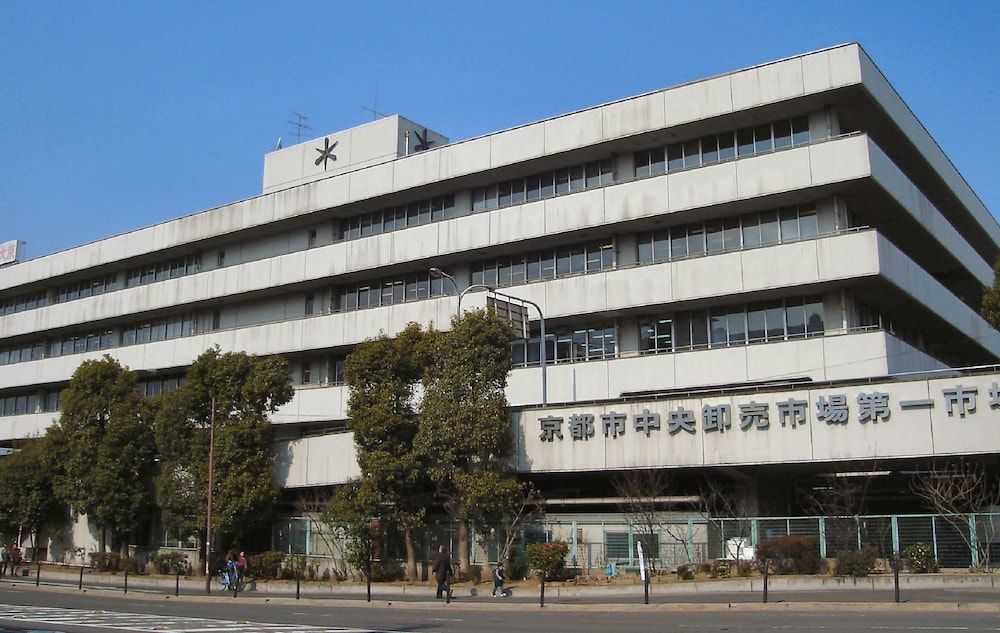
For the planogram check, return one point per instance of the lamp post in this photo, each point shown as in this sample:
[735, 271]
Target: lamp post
[208, 513]
[437, 272]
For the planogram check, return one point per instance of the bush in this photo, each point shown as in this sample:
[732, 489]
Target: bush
[856, 562]
[112, 561]
[744, 569]
[719, 569]
[387, 572]
[919, 559]
[684, 572]
[169, 563]
[547, 558]
[790, 555]
[265, 565]
[517, 568]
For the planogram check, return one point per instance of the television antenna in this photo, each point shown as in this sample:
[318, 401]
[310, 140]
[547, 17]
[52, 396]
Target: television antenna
[374, 109]
[299, 125]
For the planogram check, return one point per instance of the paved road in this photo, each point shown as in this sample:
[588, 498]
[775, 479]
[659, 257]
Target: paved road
[30, 609]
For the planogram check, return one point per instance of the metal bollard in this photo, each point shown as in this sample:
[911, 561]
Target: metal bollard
[645, 583]
[895, 576]
[541, 593]
[126, 580]
[765, 581]
[177, 584]
[80, 584]
[38, 574]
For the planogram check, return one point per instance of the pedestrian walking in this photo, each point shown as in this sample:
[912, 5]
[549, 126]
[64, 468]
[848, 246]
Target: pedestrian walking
[15, 559]
[442, 572]
[498, 579]
[4, 558]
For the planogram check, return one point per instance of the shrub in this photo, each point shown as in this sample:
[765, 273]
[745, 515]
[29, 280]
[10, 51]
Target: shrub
[705, 568]
[684, 572]
[109, 561]
[790, 554]
[744, 569]
[131, 564]
[719, 569]
[387, 572]
[266, 564]
[169, 563]
[517, 568]
[919, 559]
[547, 558]
[856, 562]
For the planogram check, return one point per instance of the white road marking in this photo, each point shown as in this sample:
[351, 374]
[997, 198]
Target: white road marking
[100, 619]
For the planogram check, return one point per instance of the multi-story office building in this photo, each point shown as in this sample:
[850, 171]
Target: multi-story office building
[734, 274]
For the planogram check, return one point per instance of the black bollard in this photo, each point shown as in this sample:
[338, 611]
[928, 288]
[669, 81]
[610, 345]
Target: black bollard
[298, 581]
[645, 583]
[368, 580]
[80, 585]
[765, 581]
[38, 574]
[895, 576]
[541, 592]
[126, 580]
[177, 584]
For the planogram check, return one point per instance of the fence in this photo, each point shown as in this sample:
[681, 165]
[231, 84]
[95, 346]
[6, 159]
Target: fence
[958, 541]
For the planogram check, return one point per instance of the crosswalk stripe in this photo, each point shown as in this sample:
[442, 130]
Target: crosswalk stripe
[154, 623]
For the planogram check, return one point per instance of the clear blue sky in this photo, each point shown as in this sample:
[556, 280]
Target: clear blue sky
[116, 115]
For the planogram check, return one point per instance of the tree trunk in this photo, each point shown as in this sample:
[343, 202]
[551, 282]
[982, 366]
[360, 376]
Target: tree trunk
[411, 557]
[102, 537]
[464, 563]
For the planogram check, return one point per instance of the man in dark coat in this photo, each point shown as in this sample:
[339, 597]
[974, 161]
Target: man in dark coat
[442, 571]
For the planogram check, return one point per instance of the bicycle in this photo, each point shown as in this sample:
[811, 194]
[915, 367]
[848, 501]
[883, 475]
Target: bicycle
[230, 580]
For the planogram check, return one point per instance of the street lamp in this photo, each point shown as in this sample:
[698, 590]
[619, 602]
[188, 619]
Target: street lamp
[440, 274]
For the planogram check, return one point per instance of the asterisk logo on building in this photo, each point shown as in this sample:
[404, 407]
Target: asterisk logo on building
[326, 154]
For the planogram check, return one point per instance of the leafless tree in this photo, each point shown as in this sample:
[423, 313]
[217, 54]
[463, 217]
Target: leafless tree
[310, 504]
[726, 505]
[643, 495]
[957, 489]
[524, 506]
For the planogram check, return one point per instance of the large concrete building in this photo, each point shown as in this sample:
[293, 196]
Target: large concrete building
[734, 272]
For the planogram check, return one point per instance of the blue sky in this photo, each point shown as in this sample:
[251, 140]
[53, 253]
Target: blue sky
[116, 115]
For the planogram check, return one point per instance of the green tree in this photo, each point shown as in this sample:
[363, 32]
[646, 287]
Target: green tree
[990, 306]
[244, 389]
[349, 514]
[27, 500]
[383, 374]
[465, 429]
[102, 448]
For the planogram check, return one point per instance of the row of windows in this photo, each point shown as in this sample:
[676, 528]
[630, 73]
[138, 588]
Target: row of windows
[393, 219]
[387, 292]
[720, 147]
[158, 330]
[159, 271]
[567, 345]
[733, 325]
[26, 403]
[544, 264]
[716, 236]
[545, 185]
[307, 371]
[87, 288]
[20, 303]
[155, 385]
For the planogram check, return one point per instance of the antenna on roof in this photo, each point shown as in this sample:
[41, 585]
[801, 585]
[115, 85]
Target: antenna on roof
[277, 145]
[300, 124]
[374, 109]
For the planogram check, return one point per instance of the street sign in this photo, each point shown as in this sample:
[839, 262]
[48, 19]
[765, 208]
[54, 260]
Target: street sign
[515, 312]
[642, 561]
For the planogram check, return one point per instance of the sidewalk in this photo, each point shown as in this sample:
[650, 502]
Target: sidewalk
[742, 590]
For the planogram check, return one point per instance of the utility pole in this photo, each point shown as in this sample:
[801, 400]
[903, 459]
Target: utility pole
[208, 521]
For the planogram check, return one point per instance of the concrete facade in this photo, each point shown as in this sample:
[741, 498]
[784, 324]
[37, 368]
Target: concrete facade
[879, 234]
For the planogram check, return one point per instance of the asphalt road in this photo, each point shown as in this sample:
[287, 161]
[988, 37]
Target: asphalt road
[24, 608]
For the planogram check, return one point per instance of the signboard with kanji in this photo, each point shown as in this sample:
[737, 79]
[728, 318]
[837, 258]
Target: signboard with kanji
[917, 418]
[10, 252]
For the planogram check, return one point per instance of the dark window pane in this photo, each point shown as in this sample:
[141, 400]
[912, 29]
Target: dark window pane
[692, 153]
[795, 317]
[751, 230]
[782, 134]
[800, 130]
[709, 149]
[657, 163]
[731, 234]
[696, 239]
[661, 245]
[762, 138]
[789, 224]
[737, 325]
[548, 184]
[699, 328]
[755, 322]
[645, 247]
[563, 262]
[713, 236]
[727, 148]
[562, 181]
[675, 157]
[533, 188]
[504, 192]
[576, 178]
[814, 315]
[593, 175]
[774, 316]
[718, 324]
[517, 191]
[678, 242]
[744, 141]
[807, 222]
[768, 227]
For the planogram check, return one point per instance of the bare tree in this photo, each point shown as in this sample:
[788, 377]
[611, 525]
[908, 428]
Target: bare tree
[311, 504]
[727, 506]
[524, 506]
[643, 495]
[957, 490]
